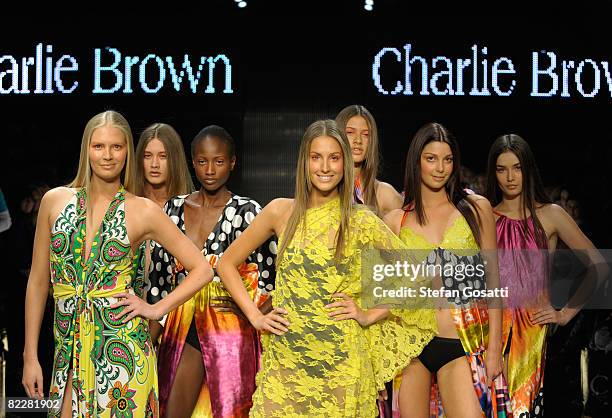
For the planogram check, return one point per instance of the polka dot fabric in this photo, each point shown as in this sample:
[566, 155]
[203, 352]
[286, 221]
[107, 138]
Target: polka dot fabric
[165, 273]
[228, 343]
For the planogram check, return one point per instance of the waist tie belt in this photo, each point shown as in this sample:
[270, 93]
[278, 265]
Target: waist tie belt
[87, 323]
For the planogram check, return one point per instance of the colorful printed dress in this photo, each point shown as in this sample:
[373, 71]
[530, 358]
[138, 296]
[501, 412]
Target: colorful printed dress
[113, 364]
[230, 346]
[322, 367]
[358, 191]
[523, 268]
[470, 315]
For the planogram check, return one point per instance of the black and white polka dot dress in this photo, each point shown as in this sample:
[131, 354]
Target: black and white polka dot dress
[238, 214]
[210, 321]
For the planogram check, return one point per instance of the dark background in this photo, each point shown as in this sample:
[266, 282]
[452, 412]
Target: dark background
[294, 62]
[288, 71]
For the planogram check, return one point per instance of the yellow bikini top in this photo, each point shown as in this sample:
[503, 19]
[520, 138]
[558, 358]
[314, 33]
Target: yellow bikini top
[458, 236]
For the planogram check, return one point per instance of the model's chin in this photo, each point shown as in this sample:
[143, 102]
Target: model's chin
[107, 175]
[212, 187]
[325, 187]
[156, 181]
[435, 186]
[512, 192]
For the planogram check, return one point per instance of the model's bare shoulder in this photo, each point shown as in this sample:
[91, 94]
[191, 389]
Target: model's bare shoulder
[143, 216]
[141, 206]
[482, 208]
[59, 194]
[551, 209]
[393, 219]
[388, 198]
[53, 201]
[393, 215]
[544, 209]
[383, 187]
[553, 214]
[280, 206]
[276, 214]
[480, 201]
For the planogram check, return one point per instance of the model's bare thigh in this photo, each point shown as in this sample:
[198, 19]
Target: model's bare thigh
[415, 390]
[187, 384]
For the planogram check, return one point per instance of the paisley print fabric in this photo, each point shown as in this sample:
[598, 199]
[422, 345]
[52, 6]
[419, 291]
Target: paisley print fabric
[112, 363]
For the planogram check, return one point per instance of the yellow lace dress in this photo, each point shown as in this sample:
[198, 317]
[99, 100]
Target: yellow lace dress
[322, 367]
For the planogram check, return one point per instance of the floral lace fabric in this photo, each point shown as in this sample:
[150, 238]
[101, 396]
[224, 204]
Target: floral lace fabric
[322, 367]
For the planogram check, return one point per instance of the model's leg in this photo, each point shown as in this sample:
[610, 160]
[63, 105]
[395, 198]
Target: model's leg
[67, 400]
[457, 390]
[414, 391]
[187, 383]
[505, 368]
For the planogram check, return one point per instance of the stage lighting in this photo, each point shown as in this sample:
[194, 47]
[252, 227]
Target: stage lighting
[241, 3]
[369, 5]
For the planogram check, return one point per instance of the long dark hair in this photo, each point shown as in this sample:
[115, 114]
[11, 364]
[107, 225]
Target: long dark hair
[533, 191]
[412, 179]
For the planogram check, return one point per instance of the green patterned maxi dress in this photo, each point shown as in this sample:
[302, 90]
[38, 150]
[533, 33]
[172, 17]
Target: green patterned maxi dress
[113, 364]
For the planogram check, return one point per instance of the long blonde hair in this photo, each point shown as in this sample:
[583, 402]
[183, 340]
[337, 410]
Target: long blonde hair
[114, 119]
[178, 180]
[369, 167]
[303, 185]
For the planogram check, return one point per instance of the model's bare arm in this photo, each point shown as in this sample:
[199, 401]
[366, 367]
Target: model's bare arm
[154, 224]
[388, 198]
[569, 232]
[488, 246]
[38, 288]
[265, 224]
[393, 220]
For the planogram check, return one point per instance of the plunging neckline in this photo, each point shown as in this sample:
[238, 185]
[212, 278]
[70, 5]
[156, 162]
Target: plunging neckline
[96, 237]
[444, 234]
[221, 215]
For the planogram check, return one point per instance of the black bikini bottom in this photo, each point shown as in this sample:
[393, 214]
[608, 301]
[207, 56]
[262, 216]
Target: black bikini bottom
[507, 350]
[192, 336]
[439, 352]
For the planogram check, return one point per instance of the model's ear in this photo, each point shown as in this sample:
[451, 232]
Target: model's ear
[232, 163]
